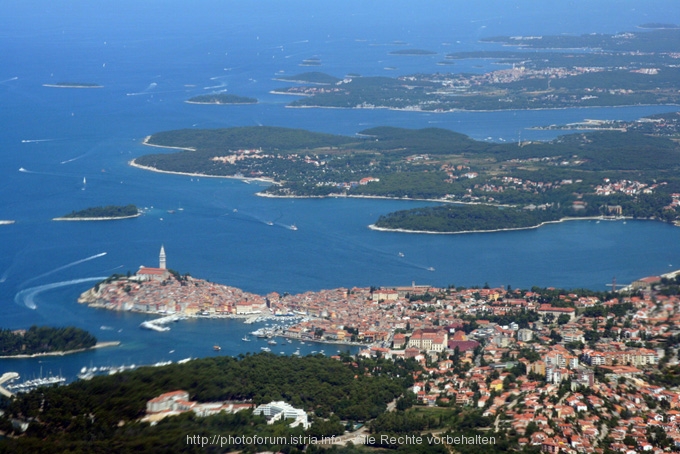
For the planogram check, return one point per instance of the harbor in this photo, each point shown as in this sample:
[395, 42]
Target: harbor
[159, 323]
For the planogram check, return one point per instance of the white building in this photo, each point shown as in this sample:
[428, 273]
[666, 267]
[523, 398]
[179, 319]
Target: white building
[275, 411]
[525, 335]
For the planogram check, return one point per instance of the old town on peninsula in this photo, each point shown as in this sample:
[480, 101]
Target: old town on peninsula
[509, 352]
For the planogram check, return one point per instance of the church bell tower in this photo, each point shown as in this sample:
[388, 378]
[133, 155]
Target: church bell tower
[161, 258]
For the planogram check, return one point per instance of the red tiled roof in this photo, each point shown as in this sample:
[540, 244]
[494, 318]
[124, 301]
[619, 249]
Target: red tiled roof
[153, 271]
[463, 346]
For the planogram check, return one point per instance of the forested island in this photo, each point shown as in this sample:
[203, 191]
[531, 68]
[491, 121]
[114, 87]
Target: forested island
[102, 213]
[73, 85]
[221, 98]
[466, 218]
[613, 173]
[43, 339]
[543, 72]
[412, 52]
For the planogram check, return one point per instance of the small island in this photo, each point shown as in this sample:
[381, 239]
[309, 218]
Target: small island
[468, 219]
[73, 85]
[102, 213]
[658, 26]
[412, 52]
[44, 340]
[221, 98]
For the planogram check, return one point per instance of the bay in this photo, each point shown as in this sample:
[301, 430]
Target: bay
[67, 149]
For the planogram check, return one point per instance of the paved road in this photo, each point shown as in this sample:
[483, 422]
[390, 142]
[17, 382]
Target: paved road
[6, 377]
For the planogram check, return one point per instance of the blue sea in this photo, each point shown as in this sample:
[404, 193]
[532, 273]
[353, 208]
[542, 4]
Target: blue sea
[68, 149]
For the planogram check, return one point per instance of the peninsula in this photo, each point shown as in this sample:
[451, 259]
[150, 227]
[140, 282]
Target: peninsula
[37, 341]
[102, 213]
[631, 171]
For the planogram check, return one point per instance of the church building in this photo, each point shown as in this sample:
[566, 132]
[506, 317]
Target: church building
[154, 274]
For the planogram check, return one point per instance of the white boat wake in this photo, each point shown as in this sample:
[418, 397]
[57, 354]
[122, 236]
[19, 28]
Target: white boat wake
[37, 140]
[77, 262]
[27, 296]
[73, 159]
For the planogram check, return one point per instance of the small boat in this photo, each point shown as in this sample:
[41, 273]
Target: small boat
[245, 339]
[270, 223]
[293, 227]
[217, 348]
[265, 349]
[401, 254]
[430, 269]
[272, 342]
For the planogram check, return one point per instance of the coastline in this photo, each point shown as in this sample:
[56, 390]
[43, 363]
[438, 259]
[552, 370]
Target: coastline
[146, 142]
[113, 218]
[65, 352]
[442, 111]
[382, 229]
[510, 229]
[297, 81]
[382, 197]
[133, 163]
[275, 92]
[217, 103]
